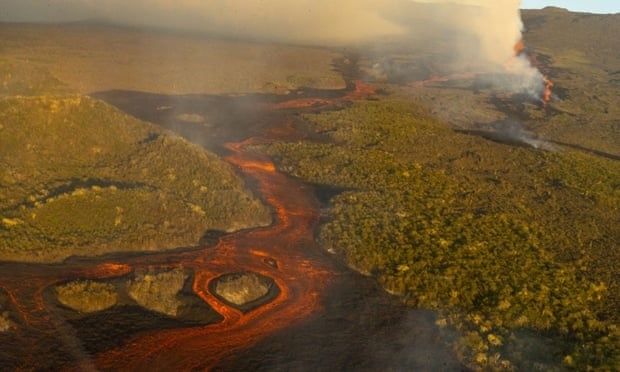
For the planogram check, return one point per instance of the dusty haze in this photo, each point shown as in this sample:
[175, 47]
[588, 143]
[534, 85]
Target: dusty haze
[478, 34]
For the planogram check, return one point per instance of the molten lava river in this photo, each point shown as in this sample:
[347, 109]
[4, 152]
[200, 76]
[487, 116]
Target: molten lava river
[322, 316]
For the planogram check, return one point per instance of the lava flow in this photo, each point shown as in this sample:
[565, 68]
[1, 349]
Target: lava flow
[285, 252]
[361, 90]
[546, 96]
[519, 50]
[438, 78]
[299, 278]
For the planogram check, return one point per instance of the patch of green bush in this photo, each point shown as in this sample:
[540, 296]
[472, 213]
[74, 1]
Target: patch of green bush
[504, 241]
[79, 177]
[158, 291]
[26, 79]
[87, 296]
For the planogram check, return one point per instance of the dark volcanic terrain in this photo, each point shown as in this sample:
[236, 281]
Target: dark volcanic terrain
[187, 202]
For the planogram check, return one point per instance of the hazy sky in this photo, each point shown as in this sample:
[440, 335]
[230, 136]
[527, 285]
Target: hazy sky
[323, 21]
[591, 6]
[475, 35]
[62, 10]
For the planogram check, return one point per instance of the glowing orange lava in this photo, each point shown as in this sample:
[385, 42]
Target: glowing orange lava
[282, 252]
[519, 48]
[547, 93]
[298, 278]
[362, 90]
[443, 78]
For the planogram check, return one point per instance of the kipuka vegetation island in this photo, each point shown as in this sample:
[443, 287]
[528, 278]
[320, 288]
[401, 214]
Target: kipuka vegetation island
[444, 193]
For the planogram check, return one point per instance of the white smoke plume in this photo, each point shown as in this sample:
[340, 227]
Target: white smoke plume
[478, 34]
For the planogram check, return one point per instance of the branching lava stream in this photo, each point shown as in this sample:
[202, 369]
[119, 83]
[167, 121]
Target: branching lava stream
[299, 278]
[285, 252]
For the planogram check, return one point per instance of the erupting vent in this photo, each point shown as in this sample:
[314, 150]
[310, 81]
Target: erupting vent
[547, 84]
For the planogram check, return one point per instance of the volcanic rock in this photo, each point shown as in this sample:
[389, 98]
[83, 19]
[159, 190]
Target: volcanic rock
[158, 291]
[242, 289]
[191, 118]
[87, 296]
[5, 322]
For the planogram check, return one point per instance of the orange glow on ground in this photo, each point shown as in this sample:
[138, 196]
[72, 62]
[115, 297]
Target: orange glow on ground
[518, 47]
[443, 78]
[547, 93]
[362, 90]
[298, 278]
[289, 243]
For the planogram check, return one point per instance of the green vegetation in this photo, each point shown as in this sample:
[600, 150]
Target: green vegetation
[158, 291]
[91, 58]
[242, 288]
[514, 246]
[87, 296]
[27, 79]
[584, 65]
[162, 290]
[79, 177]
[5, 316]
[5, 322]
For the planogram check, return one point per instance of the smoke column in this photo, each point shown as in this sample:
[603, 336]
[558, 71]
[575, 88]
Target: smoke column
[485, 38]
[481, 34]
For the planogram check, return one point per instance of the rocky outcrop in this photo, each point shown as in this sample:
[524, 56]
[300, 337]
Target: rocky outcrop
[5, 322]
[158, 291]
[245, 290]
[87, 296]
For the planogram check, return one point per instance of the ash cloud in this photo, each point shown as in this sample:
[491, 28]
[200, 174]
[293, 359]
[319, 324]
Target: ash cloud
[478, 35]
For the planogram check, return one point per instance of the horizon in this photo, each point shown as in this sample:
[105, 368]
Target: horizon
[36, 12]
[593, 6]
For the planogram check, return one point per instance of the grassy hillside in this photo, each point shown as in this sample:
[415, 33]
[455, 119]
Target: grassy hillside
[26, 79]
[90, 58]
[581, 54]
[516, 247]
[79, 177]
[513, 245]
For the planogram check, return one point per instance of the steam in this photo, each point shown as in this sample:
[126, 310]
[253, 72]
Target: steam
[511, 132]
[478, 35]
[486, 37]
